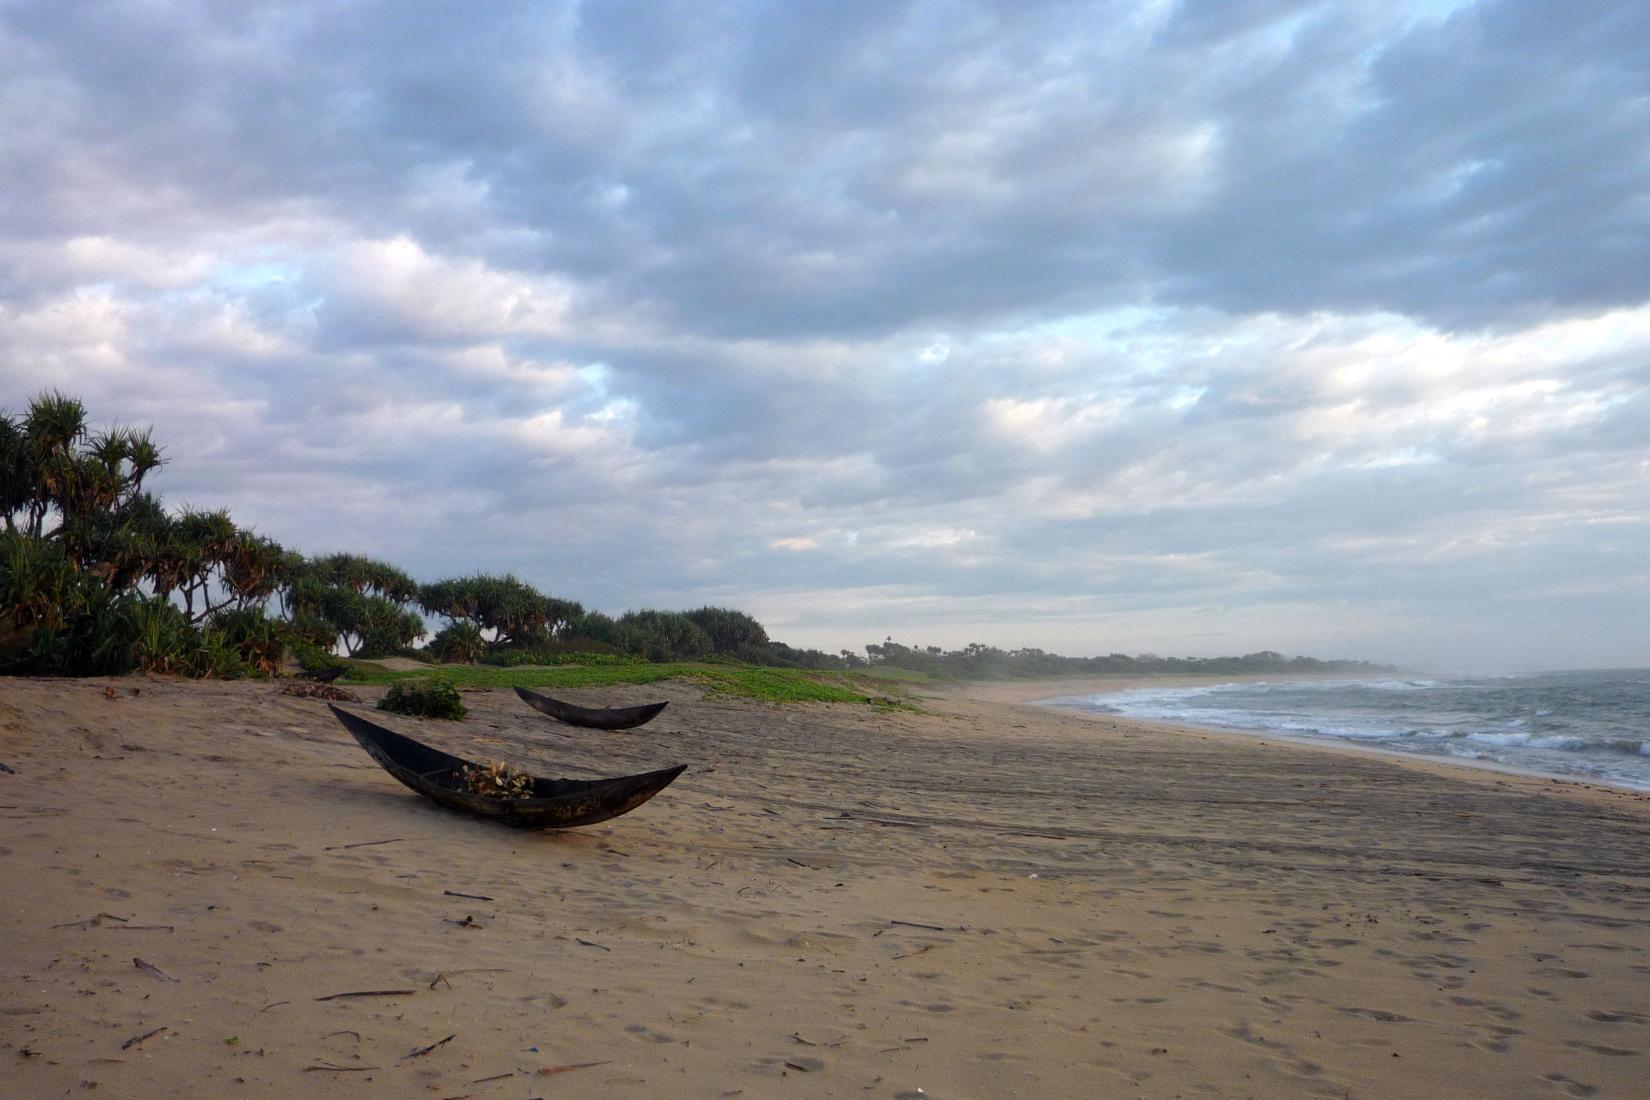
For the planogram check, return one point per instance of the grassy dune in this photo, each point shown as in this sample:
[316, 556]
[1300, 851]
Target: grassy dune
[773, 685]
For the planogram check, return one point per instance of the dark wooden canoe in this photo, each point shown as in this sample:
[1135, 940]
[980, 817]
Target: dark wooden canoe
[555, 804]
[609, 718]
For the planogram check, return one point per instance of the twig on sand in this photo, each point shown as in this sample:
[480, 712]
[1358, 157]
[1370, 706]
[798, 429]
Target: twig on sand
[270, 1005]
[362, 844]
[421, 1051]
[442, 979]
[494, 1077]
[136, 1039]
[914, 924]
[327, 1067]
[591, 943]
[91, 922]
[472, 897]
[369, 993]
[151, 968]
[569, 1068]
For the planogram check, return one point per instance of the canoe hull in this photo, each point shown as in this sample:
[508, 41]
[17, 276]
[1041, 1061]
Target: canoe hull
[555, 803]
[596, 718]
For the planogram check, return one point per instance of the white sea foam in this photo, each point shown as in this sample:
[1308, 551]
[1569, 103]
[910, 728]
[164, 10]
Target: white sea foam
[1529, 741]
[1588, 724]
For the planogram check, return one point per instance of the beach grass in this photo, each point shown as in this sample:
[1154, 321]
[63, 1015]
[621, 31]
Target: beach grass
[772, 685]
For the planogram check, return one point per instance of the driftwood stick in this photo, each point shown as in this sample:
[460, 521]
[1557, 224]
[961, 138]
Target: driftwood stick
[325, 1067]
[569, 1068]
[369, 993]
[362, 844]
[421, 1051]
[914, 924]
[472, 897]
[151, 968]
[91, 922]
[136, 1039]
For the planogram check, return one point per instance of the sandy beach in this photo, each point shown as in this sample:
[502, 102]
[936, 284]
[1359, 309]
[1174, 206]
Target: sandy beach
[207, 889]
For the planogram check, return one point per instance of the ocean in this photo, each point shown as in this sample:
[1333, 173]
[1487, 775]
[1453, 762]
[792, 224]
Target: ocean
[1583, 725]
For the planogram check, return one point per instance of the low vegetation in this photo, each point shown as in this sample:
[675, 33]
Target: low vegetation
[774, 685]
[423, 699]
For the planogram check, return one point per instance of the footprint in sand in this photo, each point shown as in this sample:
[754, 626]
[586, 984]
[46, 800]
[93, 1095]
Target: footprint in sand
[642, 1031]
[1569, 1085]
[1599, 1048]
[1604, 1017]
[1377, 1014]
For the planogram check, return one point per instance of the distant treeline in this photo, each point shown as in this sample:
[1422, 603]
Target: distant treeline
[98, 578]
[983, 662]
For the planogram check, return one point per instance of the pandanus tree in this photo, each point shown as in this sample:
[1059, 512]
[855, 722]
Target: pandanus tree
[730, 632]
[663, 636]
[59, 480]
[353, 601]
[63, 490]
[517, 614]
[91, 564]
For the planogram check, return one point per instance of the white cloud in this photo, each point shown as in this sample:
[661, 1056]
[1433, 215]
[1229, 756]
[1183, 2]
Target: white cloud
[1195, 327]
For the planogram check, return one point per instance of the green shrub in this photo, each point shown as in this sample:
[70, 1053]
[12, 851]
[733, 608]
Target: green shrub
[159, 636]
[459, 643]
[663, 636]
[423, 699]
[215, 658]
[254, 636]
[558, 653]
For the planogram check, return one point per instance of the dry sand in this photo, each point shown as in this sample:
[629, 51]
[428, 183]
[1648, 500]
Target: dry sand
[981, 900]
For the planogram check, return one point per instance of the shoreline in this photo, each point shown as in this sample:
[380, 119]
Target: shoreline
[1018, 693]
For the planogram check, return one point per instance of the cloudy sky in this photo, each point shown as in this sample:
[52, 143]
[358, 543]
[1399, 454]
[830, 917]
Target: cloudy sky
[1186, 326]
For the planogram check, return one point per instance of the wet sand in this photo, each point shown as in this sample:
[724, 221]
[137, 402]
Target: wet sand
[983, 899]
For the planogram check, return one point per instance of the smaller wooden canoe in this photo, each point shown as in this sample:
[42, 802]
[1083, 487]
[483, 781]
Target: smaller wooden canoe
[555, 803]
[607, 718]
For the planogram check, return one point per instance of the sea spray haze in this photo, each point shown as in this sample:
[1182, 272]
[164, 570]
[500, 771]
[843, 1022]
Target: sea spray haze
[1593, 725]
